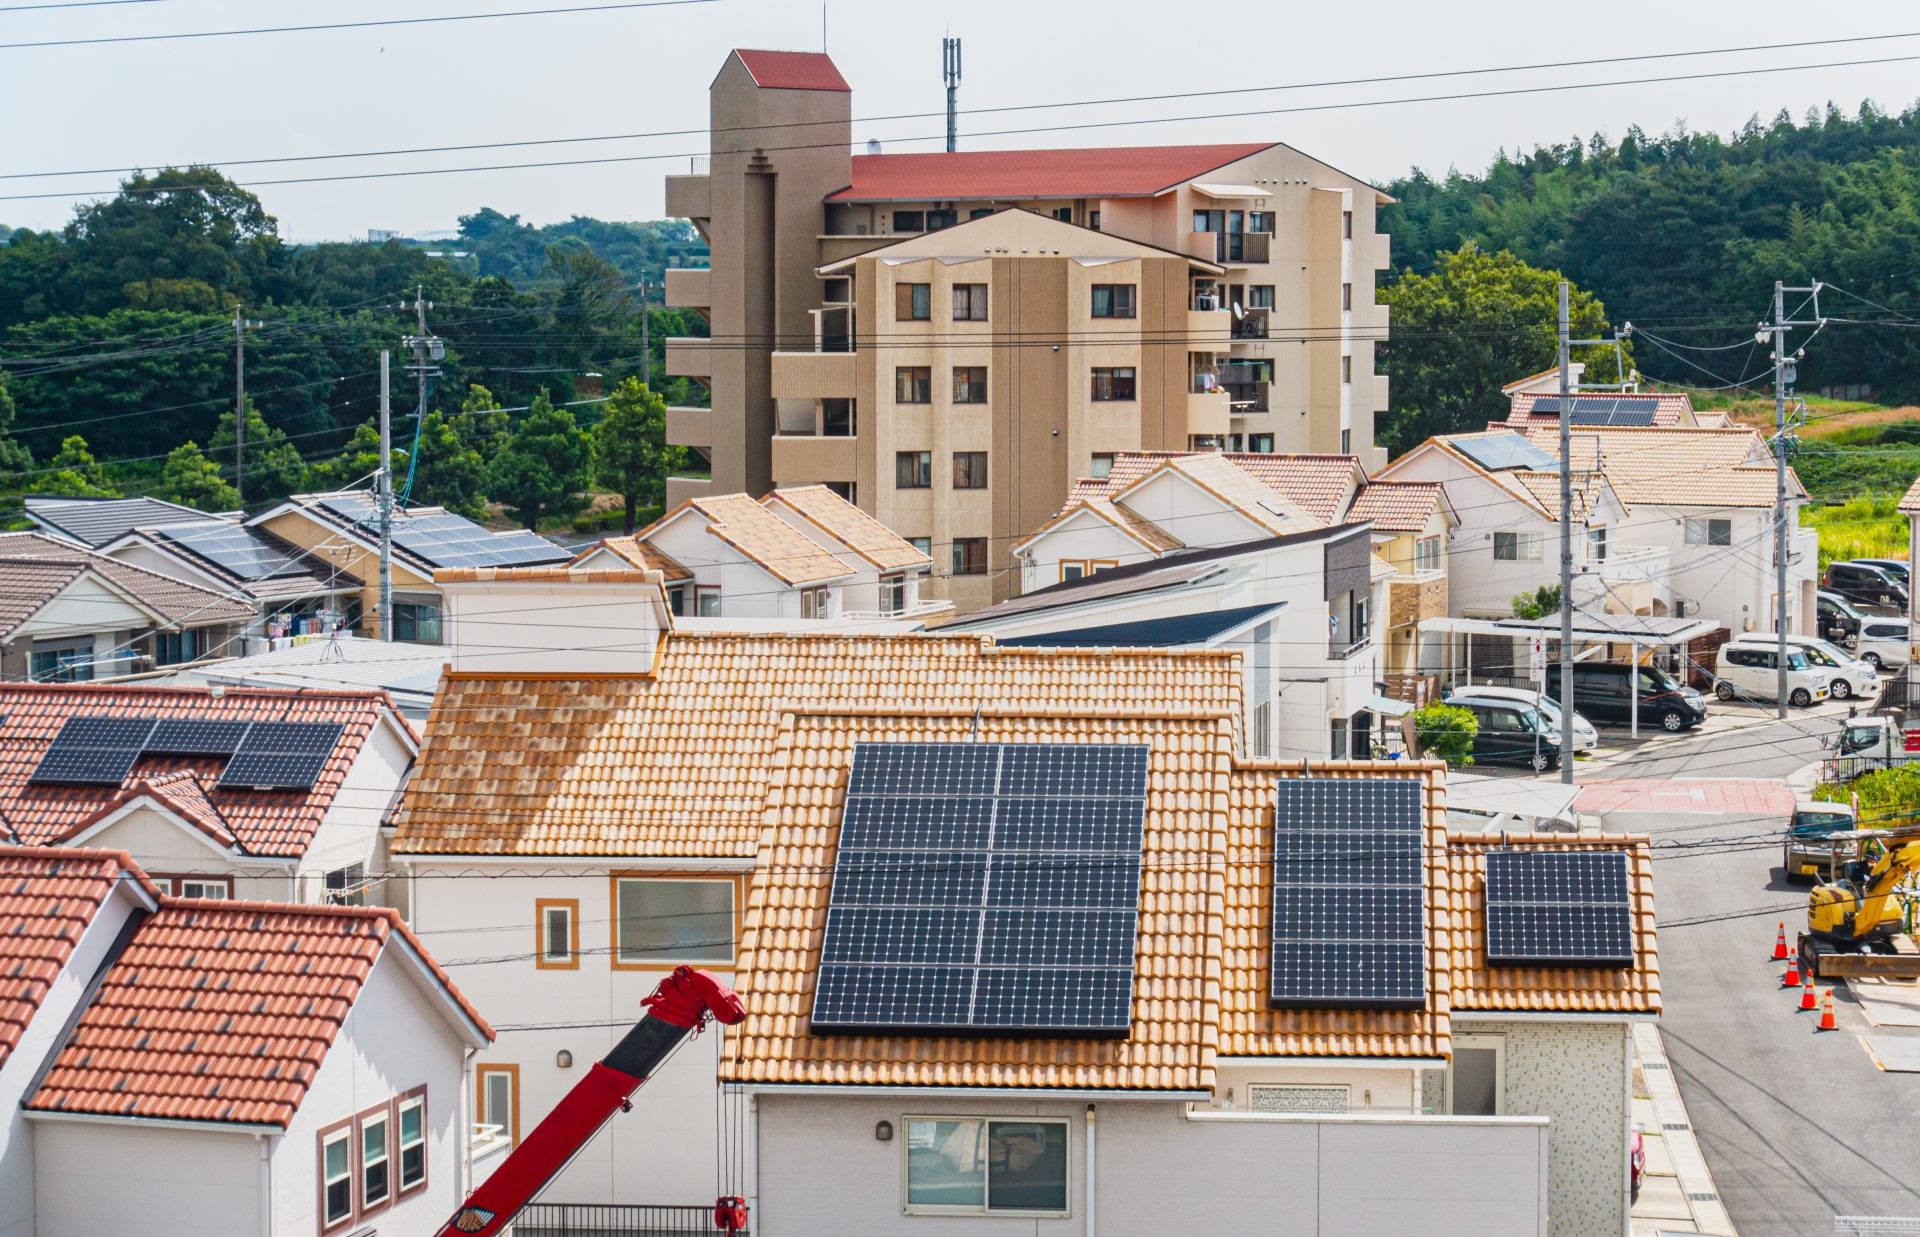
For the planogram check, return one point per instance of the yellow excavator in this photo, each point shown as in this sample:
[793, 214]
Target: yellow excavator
[1857, 922]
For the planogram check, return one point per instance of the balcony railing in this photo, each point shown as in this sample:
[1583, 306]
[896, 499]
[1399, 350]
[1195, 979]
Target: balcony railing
[919, 609]
[614, 1220]
[487, 1139]
[1248, 396]
[1339, 650]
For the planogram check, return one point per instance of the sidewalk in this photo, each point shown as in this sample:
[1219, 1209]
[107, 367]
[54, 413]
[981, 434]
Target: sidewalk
[1677, 1194]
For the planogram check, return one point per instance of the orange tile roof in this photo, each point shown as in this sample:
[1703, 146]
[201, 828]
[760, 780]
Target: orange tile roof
[1318, 484]
[1910, 503]
[1259, 502]
[679, 764]
[265, 822]
[223, 1011]
[1677, 467]
[47, 899]
[1397, 506]
[640, 554]
[782, 550]
[35, 567]
[854, 528]
[1670, 409]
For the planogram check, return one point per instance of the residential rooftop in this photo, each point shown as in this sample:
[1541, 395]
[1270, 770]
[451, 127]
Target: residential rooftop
[98, 522]
[35, 568]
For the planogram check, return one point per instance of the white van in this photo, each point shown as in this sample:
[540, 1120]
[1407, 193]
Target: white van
[1883, 641]
[1753, 673]
[1848, 675]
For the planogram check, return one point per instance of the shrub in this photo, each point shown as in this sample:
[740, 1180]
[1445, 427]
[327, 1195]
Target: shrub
[1446, 731]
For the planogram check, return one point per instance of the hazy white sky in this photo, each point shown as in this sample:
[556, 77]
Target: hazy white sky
[646, 71]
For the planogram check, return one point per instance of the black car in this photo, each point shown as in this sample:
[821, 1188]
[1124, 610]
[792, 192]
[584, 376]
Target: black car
[1839, 620]
[1604, 692]
[1866, 585]
[1511, 733]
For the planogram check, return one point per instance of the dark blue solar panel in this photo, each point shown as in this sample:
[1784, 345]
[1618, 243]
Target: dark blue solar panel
[919, 769]
[93, 751]
[1558, 908]
[182, 737]
[245, 552]
[281, 756]
[448, 540]
[1496, 452]
[898, 821]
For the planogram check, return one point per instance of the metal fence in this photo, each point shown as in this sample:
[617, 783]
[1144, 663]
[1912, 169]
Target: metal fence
[614, 1220]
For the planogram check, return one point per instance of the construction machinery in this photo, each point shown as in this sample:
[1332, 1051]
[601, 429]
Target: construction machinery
[1859, 922]
[682, 1005]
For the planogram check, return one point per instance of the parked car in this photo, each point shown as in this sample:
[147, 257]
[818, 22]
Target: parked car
[1753, 673]
[1839, 619]
[1585, 737]
[1865, 584]
[1807, 855]
[1636, 1162]
[1604, 692]
[1883, 642]
[1510, 733]
[1895, 567]
[1848, 675]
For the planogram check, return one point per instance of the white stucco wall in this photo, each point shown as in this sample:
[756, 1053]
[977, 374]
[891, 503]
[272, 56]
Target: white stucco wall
[746, 589]
[164, 845]
[123, 1177]
[563, 628]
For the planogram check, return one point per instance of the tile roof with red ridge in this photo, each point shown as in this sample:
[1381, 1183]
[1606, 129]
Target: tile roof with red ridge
[1012, 175]
[1397, 506]
[850, 526]
[265, 822]
[792, 70]
[47, 900]
[639, 553]
[180, 791]
[224, 1011]
[35, 567]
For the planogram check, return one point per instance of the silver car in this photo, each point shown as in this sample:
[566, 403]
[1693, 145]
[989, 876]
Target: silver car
[1585, 737]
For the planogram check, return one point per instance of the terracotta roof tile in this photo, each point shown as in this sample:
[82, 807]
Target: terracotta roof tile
[1397, 506]
[542, 575]
[47, 899]
[223, 1011]
[785, 552]
[640, 554]
[35, 567]
[1318, 484]
[854, 528]
[792, 70]
[1011, 175]
[1910, 503]
[1259, 502]
[265, 822]
[180, 791]
[1677, 467]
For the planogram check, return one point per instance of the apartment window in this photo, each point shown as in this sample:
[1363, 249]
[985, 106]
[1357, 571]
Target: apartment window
[922, 544]
[1093, 220]
[347, 886]
[1346, 370]
[170, 648]
[913, 384]
[1263, 730]
[980, 212]
[912, 470]
[1346, 225]
[63, 665]
[893, 594]
[969, 302]
[498, 1095]
[1097, 565]
[1113, 300]
[836, 418]
[913, 302]
[909, 221]
[1073, 569]
[1517, 547]
[1597, 545]
[216, 888]
[1063, 213]
[962, 1165]
[1426, 554]
[1209, 221]
[1103, 464]
[677, 601]
[1260, 221]
[1699, 532]
[969, 470]
[559, 944]
[814, 603]
[1476, 1078]
[1260, 444]
[836, 291]
[969, 556]
[416, 622]
[937, 219]
[1346, 442]
[1346, 296]
[666, 921]
[376, 1159]
[1260, 296]
[1110, 384]
[969, 384]
[708, 600]
[336, 1176]
[412, 1140]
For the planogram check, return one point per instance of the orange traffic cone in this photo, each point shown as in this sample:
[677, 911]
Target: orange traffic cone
[1780, 944]
[1792, 979]
[1807, 1000]
[1826, 1013]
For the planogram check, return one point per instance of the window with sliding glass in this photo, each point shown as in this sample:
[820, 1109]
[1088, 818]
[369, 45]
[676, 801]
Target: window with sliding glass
[913, 302]
[969, 384]
[969, 470]
[913, 384]
[1113, 300]
[969, 302]
[912, 470]
[1113, 384]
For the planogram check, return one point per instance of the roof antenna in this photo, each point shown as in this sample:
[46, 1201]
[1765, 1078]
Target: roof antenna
[950, 63]
[823, 30]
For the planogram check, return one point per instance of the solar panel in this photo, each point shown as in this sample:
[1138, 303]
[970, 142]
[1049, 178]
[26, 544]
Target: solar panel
[181, 737]
[448, 540]
[1495, 452]
[1348, 894]
[281, 756]
[243, 551]
[1601, 410]
[93, 751]
[1558, 908]
[985, 888]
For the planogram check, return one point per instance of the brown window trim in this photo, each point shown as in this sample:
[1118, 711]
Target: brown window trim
[320, 1178]
[403, 1191]
[384, 1111]
[613, 903]
[540, 959]
[480, 1073]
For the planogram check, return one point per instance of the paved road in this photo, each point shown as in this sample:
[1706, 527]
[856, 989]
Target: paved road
[1772, 750]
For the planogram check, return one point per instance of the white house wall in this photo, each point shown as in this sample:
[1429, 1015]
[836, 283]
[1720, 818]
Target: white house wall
[565, 628]
[746, 589]
[125, 1177]
[83, 607]
[862, 592]
[1082, 537]
[163, 845]
[1478, 586]
[1190, 514]
[350, 831]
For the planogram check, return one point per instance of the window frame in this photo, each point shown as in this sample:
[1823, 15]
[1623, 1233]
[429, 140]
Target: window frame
[1112, 374]
[966, 389]
[1123, 300]
[543, 960]
[909, 299]
[738, 885]
[173, 883]
[417, 1097]
[1498, 1043]
[381, 1114]
[1099, 458]
[959, 556]
[344, 1130]
[1346, 298]
[918, 217]
[922, 470]
[702, 594]
[1079, 568]
[986, 1208]
[1097, 565]
[481, 1072]
[816, 602]
[975, 470]
[1522, 538]
[915, 381]
[1426, 553]
[976, 307]
[1705, 525]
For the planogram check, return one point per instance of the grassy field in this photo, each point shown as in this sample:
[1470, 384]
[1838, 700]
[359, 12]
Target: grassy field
[1862, 527]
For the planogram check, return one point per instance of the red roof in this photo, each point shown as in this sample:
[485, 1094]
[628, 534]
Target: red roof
[47, 899]
[1015, 175]
[264, 822]
[223, 1011]
[792, 70]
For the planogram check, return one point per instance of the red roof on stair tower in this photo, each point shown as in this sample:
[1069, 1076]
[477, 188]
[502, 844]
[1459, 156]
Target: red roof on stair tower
[792, 70]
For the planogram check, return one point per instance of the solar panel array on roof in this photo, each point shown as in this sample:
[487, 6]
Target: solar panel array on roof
[93, 751]
[448, 540]
[1348, 894]
[281, 756]
[243, 551]
[985, 888]
[1558, 908]
[176, 736]
[1496, 452]
[1600, 409]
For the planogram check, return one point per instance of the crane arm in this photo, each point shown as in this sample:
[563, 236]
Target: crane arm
[682, 1004]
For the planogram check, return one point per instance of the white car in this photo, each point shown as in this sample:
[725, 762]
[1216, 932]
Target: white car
[1585, 737]
[1751, 672]
[1883, 642]
[1848, 675]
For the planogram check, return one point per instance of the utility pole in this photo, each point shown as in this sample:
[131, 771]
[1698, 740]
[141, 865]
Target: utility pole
[1783, 377]
[1566, 541]
[646, 346]
[239, 405]
[950, 57]
[427, 348]
[385, 481]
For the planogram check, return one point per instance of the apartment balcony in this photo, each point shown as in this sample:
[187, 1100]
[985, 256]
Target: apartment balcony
[814, 375]
[1252, 324]
[1209, 327]
[689, 288]
[1228, 248]
[1342, 650]
[1416, 598]
[690, 427]
[805, 459]
[689, 197]
[840, 248]
[1209, 413]
[925, 608]
[689, 358]
[1249, 397]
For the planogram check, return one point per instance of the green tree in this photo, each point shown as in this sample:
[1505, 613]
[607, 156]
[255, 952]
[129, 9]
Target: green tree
[448, 472]
[1540, 603]
[357, 462]
[193, 479]
[14, 456]
[1446, 731]
[630, 445]
[273, 465]
[73, 474]
[482, 426]
[1480, 321]
[542, 467]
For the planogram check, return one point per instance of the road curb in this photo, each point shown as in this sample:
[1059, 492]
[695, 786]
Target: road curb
[1689, 1164]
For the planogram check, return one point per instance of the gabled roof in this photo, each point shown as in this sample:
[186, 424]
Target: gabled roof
[424, 538]
[792, 70]
[1016, 175]
[1180, 631]
[242, 558]
[1678, 467]
[974, 240]
[98, 521]
[1910, 502]
[1668, 409]
[762, 537]
[1398, 506]
[277, 823]
[1318, 484]
[47, 900]
[224, 1011]
[1150, 535]
[1262, 504]
[639, 554]
[851, 527]
[35, 568]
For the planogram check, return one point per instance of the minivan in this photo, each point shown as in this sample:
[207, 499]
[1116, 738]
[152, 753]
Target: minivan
[1839, 619]
[1883, 642]
[1604, 692]
[1510, 733]
[1866, 585]
[1585, 736]
[1848, 674]
[1753, 673]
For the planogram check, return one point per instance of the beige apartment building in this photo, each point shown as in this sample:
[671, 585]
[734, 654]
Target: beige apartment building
[949, 340]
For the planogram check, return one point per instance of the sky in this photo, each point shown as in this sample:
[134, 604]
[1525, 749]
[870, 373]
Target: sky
[93, 111]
